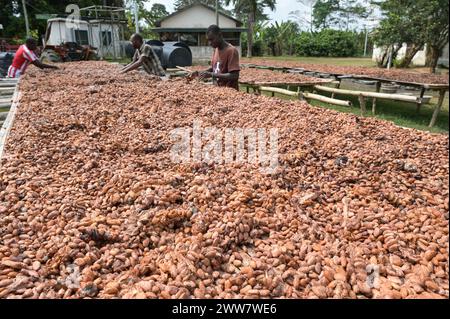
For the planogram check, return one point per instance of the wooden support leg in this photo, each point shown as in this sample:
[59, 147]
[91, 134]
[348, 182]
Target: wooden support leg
[374, 101]
[419, 105]
[273, 94]
[378, 86]
[338, 87]
[438, 108]
[248, 89]
[362, 102]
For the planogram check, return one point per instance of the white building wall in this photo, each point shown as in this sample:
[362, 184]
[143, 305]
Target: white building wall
[107, 50]
[204, 54]
[197, 17]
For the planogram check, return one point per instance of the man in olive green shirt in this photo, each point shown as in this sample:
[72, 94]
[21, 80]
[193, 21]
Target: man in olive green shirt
[145, 57]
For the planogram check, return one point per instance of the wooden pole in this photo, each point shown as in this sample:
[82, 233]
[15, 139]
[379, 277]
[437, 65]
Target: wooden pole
[438, 107]
[362, 103]
[217, 12]
[396, 97]
[325, 99]
[374, 101]
[419, 104]
[25, 15]
[306, 95]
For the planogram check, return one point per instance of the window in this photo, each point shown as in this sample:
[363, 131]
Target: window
[169, 36]
[233, 38]
[191, 39]
[106, 38]
[203, 40]
[81, 37]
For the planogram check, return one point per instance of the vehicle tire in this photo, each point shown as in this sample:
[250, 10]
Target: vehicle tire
[50, 56]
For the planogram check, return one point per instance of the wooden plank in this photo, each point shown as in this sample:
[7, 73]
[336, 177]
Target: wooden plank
[184, 69]
[326, 99]
[305, 95]
[6, 91]
[396, 97]
[310, 83]
[6, 127]
[415, 84]
[278, 90]
[7, 85]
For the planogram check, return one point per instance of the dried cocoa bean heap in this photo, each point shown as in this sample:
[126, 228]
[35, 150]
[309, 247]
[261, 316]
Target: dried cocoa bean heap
[92, 205]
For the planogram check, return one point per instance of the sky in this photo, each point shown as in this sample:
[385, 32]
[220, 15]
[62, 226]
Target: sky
[281, 13]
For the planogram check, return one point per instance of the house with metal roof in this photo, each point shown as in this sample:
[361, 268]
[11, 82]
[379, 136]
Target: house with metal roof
[189, 25]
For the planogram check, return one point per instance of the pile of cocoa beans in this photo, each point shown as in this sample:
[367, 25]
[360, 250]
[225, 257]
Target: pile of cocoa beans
[255, 76]
[92, 205]
[393, 74]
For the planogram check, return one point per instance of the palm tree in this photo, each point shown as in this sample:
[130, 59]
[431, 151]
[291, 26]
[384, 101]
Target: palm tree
[251, 9]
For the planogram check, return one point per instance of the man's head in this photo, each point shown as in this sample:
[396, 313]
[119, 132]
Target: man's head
[136, 40]
[31, 44]
[215, 37]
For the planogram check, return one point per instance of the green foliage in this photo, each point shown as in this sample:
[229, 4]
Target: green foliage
[12, 18]
[254, 11]
[415, 22]
[338, 13]
[183, 3]
[331, 43]
[281, 37]
[258, 47]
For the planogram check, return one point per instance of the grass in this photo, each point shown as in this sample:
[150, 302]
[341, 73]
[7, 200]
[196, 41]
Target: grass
[401, 114]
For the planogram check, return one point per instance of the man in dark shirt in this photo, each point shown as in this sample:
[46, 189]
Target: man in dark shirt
[225, 67]
[145, 57]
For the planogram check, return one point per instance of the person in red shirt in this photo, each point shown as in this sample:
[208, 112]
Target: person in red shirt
[225, 67]
[24, 56]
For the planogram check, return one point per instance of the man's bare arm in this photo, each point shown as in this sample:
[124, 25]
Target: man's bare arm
[133, 66]
[41, 65]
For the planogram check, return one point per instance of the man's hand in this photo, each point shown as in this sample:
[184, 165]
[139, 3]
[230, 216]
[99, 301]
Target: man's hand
[205, 75]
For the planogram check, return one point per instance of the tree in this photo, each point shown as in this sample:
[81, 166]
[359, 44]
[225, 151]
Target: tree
[437, 28]
[399, 25]
[183, 3]
[339, 13]
[12, 18]
[414, 22]
[251, 8]
[304, 16]
[323, 13]
[157, 12]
